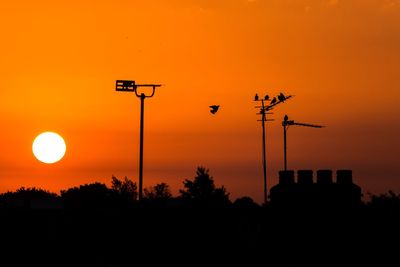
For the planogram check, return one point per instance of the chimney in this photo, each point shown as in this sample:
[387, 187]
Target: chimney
[344, 177]
[286, 177]
[305, 177]
[324, 177]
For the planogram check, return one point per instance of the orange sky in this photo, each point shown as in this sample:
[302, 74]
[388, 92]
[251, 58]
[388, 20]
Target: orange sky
[60, 60]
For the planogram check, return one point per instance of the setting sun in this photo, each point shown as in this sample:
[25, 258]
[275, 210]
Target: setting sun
[49, 147]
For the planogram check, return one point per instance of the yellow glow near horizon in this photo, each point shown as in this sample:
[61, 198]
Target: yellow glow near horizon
[49, 147]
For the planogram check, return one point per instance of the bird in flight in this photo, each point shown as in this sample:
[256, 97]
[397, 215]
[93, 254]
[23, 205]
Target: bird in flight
[214, 109]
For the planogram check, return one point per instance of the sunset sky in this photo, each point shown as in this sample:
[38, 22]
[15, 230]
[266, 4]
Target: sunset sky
[60, 59]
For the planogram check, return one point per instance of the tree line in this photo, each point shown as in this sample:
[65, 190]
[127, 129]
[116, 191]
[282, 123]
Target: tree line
[100, 225]
[200, 191]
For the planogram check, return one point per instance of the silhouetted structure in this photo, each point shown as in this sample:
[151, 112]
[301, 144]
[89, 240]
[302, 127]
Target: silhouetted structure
[324, 191]
[264, 110]
[286, 123]
[131, 86]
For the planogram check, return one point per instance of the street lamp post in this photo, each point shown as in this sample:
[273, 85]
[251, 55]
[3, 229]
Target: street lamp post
[130, 86]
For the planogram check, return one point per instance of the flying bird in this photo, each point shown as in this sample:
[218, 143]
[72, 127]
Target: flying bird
[214, 109]
[273, 101]
[266, 97]
[256, 97]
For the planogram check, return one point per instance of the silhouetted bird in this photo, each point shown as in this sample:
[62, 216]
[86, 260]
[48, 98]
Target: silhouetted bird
[273, 101]
[266, 97]
[214, 109]
[286, 118]
[256, 97]
[281, 97]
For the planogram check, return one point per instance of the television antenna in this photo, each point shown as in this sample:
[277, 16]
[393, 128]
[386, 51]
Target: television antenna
[264, 111]
[286, 123]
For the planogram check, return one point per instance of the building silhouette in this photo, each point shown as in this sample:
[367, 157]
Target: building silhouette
[322, 192]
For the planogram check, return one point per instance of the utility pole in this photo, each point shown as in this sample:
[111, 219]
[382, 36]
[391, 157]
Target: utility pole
[286, 123]
[263, 112]
[264, 156]
[284, 142]
[130, 86]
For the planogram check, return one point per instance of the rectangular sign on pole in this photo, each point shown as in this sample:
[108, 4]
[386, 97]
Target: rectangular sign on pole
[125, 85]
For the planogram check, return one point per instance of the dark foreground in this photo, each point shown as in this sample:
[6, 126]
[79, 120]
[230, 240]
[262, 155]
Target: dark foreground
[182, 236]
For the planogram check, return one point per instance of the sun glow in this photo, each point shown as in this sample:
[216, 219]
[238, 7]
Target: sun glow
[49, 147]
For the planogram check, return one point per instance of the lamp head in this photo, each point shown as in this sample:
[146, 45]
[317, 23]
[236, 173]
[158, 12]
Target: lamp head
[125, 85]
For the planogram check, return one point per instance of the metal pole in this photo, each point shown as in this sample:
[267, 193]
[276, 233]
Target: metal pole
[264, 153]
[284, 145]
[142, 97]
[130, 86]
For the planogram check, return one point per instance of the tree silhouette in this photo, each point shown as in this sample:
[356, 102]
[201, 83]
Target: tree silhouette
[388, 203]
[30, 192]
[202, 191]
[23, 197]
[158, 192]
[245, 203]
[126, 188]
[95, 195]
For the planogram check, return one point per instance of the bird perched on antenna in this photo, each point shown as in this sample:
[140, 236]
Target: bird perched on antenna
[214, 109]
[281, 97]
[266, 97]
[256, 97]
[286, 118]
[273, 101]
